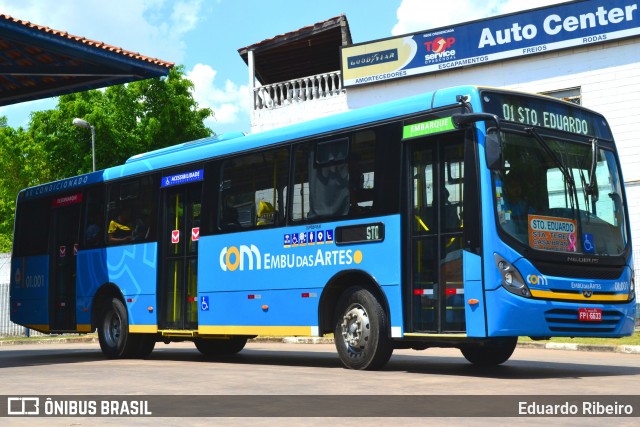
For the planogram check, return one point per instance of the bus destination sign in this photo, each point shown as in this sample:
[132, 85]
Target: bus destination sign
[550, 114]
[361, 233]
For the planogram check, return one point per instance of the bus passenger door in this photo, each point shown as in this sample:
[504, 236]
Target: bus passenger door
[178, 290]
[66, 236]
[436, 233]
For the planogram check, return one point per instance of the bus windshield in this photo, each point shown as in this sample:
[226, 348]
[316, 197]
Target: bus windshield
[544, 197]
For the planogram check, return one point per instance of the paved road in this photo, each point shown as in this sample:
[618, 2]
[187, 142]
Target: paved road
[309, 369]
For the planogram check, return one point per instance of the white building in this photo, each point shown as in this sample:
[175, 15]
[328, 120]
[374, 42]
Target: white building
[585, 51]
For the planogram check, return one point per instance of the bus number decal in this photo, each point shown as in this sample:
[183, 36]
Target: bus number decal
[34, 281]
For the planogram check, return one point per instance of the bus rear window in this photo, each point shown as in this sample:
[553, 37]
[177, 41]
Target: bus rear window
[32, 228]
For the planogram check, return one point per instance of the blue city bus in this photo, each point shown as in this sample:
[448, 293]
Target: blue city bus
[465, 217]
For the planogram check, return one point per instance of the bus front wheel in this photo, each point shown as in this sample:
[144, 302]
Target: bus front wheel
[361, 331]
[113, 333]
[493, 351]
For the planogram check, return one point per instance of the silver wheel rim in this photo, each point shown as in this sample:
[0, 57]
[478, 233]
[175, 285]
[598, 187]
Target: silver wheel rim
[356, 330]
[112, 330]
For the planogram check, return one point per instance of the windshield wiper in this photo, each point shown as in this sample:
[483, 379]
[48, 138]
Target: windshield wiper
[592, 188]
[586, 186]
[568, 178]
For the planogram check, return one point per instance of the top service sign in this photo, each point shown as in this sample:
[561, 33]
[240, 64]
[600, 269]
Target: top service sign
[532, 32]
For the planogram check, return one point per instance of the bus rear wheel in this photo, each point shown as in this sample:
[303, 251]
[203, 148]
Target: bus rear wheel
[113, 334]
[361, 331]
[493, 351]
[220, 347]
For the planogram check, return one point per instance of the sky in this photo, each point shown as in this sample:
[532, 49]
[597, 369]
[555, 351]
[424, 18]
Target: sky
[204, 35]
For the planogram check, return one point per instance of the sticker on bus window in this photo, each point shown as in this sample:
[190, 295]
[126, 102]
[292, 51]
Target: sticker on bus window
[328, 236]
[311, 238]
[588, 246]
[552, 233]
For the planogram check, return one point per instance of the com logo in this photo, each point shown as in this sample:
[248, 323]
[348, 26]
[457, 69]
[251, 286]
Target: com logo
[234, 258]
[534, 279]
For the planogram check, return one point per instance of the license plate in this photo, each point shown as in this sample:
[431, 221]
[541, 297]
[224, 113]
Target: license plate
[590, 314]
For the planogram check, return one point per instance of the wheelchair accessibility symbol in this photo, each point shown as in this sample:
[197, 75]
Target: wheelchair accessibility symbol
[587, 243]
[204, 303]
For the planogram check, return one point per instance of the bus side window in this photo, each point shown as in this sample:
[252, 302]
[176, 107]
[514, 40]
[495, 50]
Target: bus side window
[362, 162]
[253, 190]
[94, 218]
[129, 210]
[32, 227]
[335, 178]
[328, 172]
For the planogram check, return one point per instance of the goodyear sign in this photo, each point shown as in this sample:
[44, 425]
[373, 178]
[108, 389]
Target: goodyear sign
[568, 25]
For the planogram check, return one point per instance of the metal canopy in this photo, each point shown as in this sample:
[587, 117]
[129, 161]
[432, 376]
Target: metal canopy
[306, 52]
[39, 62]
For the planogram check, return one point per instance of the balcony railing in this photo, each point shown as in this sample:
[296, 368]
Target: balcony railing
[298, 90]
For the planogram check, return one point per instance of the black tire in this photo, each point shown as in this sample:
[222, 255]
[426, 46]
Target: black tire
[113, 332]
[361, 331]
[220, 347]
[147, 344]
[491, 352]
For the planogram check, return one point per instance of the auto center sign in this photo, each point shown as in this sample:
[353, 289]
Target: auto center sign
[536, 31]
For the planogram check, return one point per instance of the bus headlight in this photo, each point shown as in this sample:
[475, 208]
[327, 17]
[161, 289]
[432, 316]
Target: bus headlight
[632, 286]
[511, 278]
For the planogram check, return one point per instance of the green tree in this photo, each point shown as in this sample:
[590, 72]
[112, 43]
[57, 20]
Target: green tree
[128, 119]
[22, 163]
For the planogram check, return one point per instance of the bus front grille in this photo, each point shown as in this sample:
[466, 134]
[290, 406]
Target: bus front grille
[567, 320]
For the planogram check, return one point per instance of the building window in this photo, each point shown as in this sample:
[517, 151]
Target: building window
[571, 95]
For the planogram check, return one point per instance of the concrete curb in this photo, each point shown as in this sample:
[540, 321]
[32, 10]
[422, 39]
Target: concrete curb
[627, 349]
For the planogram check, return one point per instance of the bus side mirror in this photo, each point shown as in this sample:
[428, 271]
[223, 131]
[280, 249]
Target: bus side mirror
[493, 143]
[493, 151]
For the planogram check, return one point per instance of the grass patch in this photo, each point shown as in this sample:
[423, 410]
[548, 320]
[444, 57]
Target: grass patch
[632, 340]
[45, 337]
